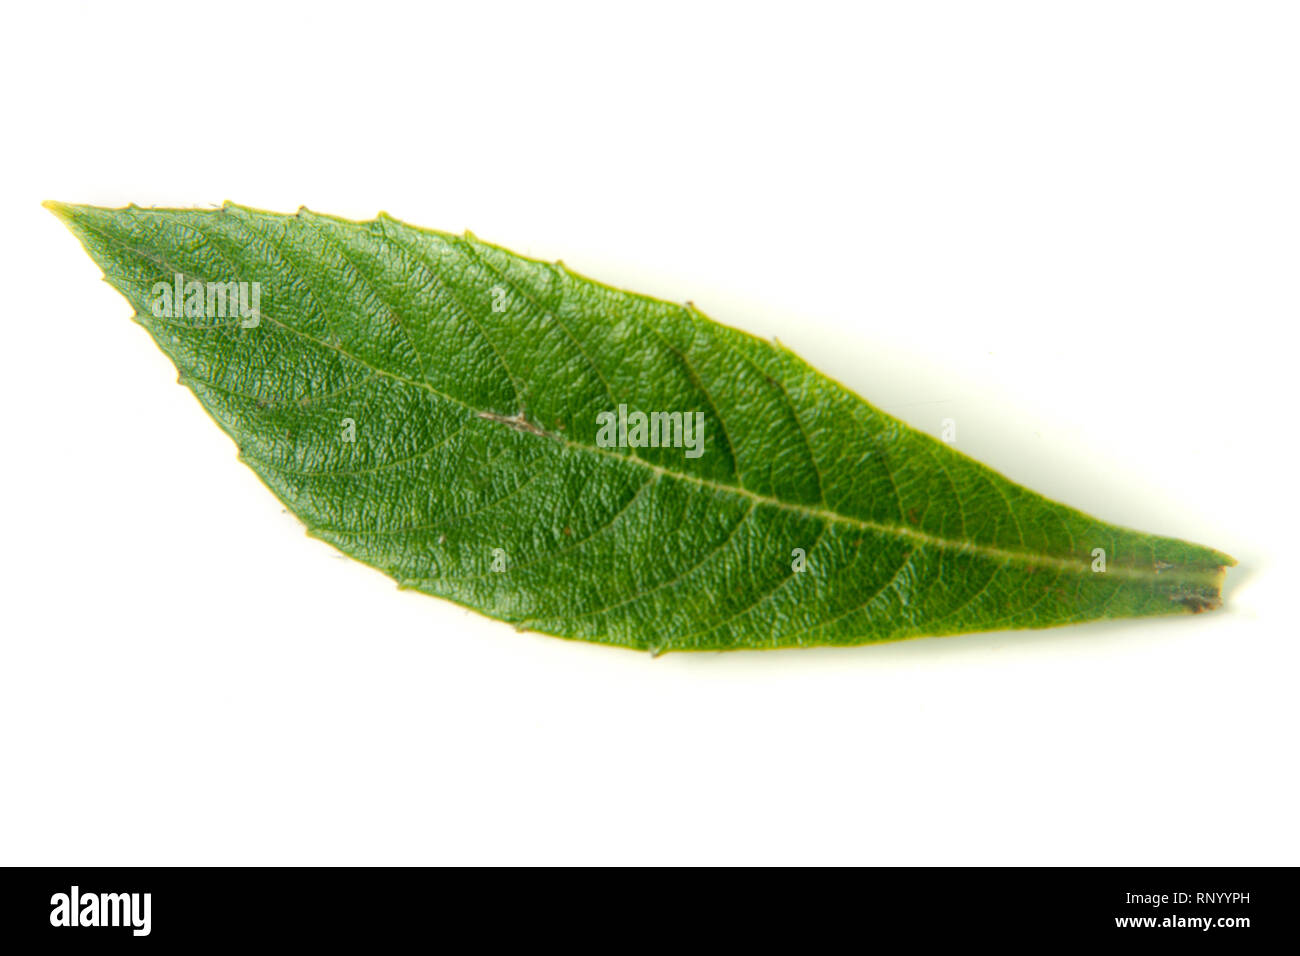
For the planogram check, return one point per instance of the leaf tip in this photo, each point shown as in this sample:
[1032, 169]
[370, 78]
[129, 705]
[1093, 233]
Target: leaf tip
[61, 209]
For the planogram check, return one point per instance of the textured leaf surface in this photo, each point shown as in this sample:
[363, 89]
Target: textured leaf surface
[474, 378]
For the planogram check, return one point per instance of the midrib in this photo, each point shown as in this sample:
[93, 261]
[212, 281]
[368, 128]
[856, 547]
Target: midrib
[921, 538]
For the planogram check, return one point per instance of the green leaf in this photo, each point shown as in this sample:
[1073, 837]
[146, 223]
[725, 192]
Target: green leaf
[437, 407]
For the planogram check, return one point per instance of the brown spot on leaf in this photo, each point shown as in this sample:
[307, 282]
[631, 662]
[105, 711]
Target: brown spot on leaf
[1196, 603]
[519, 422]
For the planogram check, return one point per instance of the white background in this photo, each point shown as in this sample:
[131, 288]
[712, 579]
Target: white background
[1072, 228]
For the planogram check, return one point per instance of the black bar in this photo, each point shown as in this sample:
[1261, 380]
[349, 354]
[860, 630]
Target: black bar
[376, 907]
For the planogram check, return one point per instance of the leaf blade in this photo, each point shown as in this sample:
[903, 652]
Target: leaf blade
[478, 432]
